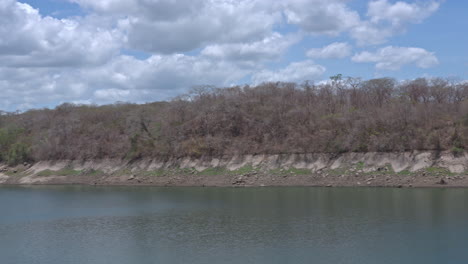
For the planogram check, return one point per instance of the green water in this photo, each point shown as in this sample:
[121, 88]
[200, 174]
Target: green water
[232, 225]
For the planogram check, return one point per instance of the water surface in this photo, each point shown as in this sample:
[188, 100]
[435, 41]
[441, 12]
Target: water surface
[77, 224]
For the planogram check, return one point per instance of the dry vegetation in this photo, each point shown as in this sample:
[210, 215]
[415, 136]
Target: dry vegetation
[343, 116]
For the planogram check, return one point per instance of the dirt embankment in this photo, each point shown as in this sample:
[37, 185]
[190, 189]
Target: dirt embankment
[405, 169]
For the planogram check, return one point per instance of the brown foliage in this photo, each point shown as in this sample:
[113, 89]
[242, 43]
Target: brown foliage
[342, 116]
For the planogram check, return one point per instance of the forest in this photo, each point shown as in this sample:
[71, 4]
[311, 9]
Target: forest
[342, 115]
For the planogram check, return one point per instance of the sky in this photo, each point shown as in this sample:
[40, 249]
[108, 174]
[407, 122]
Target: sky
[104, 51]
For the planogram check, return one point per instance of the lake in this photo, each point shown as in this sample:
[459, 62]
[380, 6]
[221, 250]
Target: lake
[86, 224]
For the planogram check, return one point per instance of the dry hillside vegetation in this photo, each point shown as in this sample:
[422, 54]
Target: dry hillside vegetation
[346, 115]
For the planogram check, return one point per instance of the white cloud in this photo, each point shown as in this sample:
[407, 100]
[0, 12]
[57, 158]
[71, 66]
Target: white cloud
[400, 13]
[31, 40]
[269, 48]
[387, 19]
[168, 26]
[319, 16]
[335, 50]
[393, 58]
[367, 33]
[123, 78]
[294, 72]
[45, 60]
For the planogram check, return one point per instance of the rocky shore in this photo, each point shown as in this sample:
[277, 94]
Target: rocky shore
[403, 169]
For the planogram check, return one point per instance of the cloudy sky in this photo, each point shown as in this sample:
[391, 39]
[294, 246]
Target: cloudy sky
[103, 51]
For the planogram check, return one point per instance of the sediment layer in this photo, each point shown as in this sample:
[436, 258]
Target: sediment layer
[411, 169]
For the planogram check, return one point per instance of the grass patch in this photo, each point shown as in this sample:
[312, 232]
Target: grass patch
[456, 151]
[93, 172]
[405, 172]
[439, 171]
[359, 166]
[122, 172]
[62, 172]
[244, 170]
[293, 171]
[213, 171]
[12, 173]
[70, 172]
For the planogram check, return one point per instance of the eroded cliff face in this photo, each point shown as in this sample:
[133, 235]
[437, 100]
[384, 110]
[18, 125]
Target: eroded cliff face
[314, 168]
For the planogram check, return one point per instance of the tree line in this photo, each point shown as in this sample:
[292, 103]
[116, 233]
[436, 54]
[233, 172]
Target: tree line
[343, 115]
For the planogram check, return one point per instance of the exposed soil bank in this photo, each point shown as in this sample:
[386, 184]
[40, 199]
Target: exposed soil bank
[405, 169]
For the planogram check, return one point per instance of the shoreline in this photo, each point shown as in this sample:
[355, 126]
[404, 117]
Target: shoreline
[311, 180]
[397, 169]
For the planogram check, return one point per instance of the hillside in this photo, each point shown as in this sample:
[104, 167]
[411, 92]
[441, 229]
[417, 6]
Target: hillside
[345, 115]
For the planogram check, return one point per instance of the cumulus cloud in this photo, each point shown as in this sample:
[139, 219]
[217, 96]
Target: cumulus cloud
[124, 78]
[36, 41]
[269, 48]
[320, 17]
[386, 20]
[294, 72]
[333, 51]
[45, 60]
[400, 13]
[168, 26]
[393, 58]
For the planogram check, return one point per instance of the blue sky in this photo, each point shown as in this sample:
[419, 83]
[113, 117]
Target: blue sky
[87, 51]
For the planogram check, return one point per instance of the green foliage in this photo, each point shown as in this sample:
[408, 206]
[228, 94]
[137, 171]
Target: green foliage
[17, 153]
[337, 77]
[457, 151]
[12, 149]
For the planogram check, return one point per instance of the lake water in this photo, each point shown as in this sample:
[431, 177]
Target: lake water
[77, 224]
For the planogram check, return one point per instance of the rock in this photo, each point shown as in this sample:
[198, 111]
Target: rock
[238, 181]
[329, 185]
[251, 174]
[442, 182]
[132, 177]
